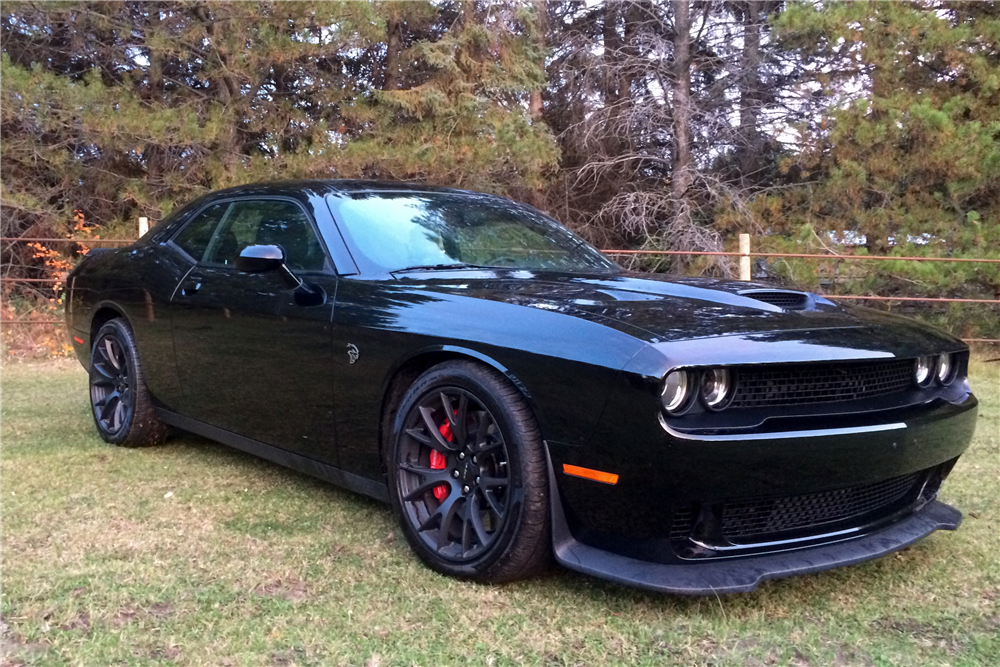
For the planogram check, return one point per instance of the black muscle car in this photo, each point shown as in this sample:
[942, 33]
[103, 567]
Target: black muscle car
[514, 394]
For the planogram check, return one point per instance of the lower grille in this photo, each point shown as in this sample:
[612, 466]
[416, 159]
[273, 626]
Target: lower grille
[767, 517]
[819, 383]
[759, 519]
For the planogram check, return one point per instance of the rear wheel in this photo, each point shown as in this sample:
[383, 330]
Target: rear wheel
[468, 475]
[122, 407]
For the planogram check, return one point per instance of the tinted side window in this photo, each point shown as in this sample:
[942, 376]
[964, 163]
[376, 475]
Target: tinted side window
[268, 223]
[194, 238]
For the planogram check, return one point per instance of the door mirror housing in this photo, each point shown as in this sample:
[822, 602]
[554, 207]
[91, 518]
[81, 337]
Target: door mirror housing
[260, 258]
[263, 258]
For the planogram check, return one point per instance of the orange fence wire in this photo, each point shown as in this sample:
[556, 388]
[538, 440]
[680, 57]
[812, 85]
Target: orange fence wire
[800, 255]
[29, 280]
[27, 239]
[910, 298]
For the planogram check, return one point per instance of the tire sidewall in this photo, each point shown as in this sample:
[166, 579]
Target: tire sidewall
[458, 376]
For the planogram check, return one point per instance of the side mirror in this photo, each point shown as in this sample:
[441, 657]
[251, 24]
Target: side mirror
[260, 258]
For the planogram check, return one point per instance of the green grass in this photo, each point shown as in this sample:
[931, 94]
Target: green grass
[194, 554]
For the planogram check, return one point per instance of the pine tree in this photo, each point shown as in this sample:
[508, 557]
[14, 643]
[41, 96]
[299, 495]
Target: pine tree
[118, 110]
[907, 157]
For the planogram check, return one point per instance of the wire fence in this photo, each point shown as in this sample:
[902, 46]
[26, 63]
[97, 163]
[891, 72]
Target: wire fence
[743, 254]
[723, 253]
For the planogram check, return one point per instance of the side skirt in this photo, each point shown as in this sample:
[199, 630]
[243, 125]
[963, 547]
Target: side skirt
[303, 464]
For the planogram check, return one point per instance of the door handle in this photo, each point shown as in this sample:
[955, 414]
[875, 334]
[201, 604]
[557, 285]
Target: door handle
[191, 290]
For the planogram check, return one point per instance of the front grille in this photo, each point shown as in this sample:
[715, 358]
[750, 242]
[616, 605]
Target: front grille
[682, 524]
[781, 299]
[769, 386]
[760, 519]
[750, 518]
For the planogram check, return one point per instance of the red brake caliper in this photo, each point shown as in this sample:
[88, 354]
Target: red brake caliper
[438, 461]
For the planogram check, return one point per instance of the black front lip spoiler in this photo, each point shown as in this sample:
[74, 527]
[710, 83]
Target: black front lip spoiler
[741, 575]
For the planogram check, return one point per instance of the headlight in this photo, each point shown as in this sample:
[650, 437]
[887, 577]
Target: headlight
[922, 370]
[716, 386]
[946, 369]
[676, 388]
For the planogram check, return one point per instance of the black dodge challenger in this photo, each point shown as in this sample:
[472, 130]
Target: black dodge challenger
[514, 394]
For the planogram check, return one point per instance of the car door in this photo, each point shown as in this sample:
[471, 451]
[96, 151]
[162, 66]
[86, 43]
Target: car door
[253, 355]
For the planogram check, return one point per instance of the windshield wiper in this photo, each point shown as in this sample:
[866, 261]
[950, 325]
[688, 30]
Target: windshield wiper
[444, 267]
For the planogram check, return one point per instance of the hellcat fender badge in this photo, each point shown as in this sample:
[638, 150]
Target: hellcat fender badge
[352, 352]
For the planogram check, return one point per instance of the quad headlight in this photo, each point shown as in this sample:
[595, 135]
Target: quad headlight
[923, 370]
[676, 389]
[716, 388]
[943, 368]
[946, 369]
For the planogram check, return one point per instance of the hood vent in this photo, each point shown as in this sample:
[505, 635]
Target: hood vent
[784, 299]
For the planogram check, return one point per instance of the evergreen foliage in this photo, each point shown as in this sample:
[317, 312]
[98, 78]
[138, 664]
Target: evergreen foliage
[817, 126]
[906, 160]
[128, 109]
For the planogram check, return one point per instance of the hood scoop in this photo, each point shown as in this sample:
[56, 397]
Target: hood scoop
[784, 299]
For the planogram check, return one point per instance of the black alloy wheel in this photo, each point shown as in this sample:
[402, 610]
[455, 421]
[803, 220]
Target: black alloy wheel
[469, 475]
[111, 392]
[123, 410]
[455, 481]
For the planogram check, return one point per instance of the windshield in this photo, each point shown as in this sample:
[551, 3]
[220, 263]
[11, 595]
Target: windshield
[395, 231]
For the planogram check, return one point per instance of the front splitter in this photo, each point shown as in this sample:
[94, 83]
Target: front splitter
[740, 575]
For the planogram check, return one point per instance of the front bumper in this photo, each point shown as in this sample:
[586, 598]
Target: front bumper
[744, 574]
[801, 501]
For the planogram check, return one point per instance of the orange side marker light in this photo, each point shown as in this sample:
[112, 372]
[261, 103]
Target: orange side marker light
[587, 473]
[78, 339]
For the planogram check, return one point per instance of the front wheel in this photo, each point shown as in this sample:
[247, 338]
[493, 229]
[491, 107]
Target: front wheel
[122, 407]
[468, 475]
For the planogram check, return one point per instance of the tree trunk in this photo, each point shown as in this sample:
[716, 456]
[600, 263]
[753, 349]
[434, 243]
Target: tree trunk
[683, 162]
[155, 71]
[226, 87]
[151, 153]
[750, 97]
[535, 98]
[612, 46]
[630, 52]
[393, 51]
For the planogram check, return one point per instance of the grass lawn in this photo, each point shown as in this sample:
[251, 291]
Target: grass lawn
[195, 554]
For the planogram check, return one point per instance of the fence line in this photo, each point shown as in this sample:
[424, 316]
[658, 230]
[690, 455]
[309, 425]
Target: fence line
[27, 321]
[826, 256]
[908, 298]
[27, 239]
[828, 296]
[744, 254]
[29, 280]
[63, 323]
[613, 251]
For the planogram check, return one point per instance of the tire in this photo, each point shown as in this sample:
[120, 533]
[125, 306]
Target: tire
[478, 507]
[120, 403]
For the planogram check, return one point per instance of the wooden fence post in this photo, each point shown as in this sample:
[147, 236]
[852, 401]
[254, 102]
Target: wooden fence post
[143, 225]
[744, 257]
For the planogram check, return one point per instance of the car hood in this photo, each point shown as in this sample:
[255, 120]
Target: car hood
[658, 308]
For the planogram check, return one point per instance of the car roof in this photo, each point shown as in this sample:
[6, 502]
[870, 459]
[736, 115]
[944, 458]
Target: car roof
[331, 186]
